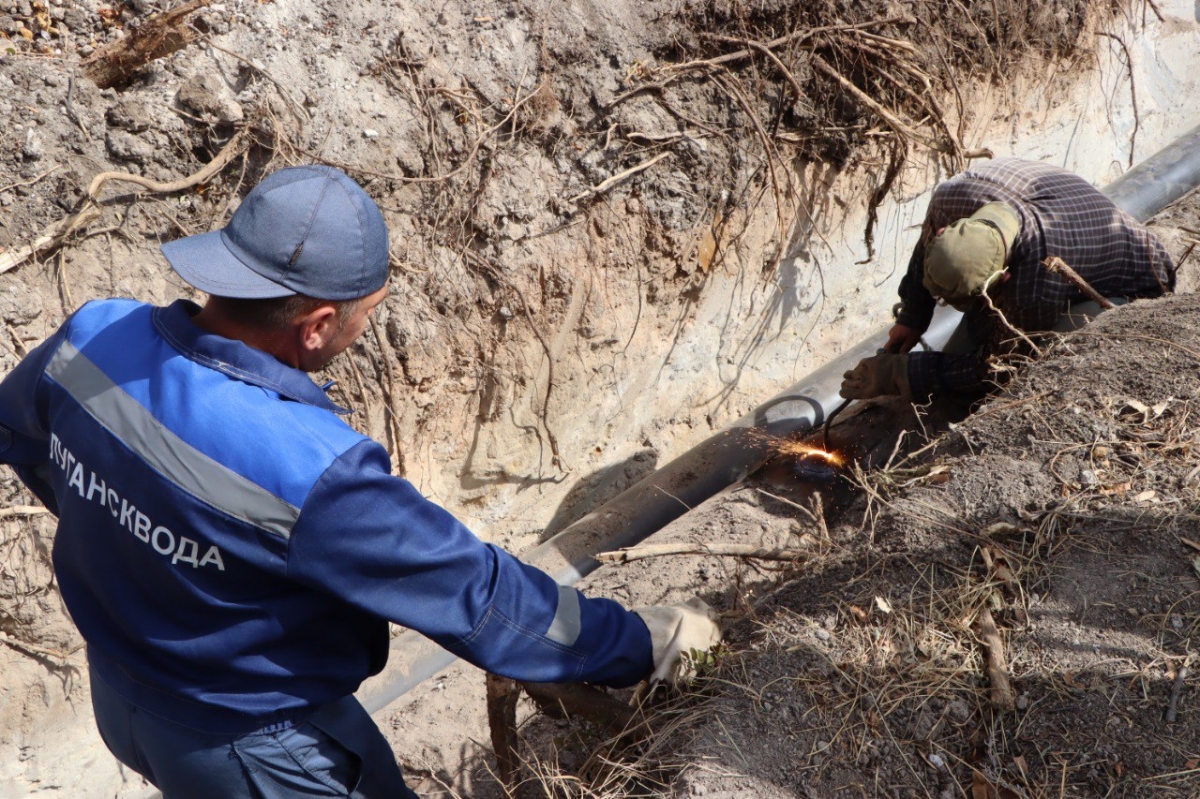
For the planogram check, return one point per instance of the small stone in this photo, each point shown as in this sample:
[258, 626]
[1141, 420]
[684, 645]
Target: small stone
[1022, 702]
[370, 133]
[33, 150]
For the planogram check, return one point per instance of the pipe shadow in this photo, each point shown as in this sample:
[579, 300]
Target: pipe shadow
[599, 487]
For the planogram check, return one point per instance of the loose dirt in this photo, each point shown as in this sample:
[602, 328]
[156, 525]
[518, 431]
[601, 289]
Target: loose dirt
[570, 189]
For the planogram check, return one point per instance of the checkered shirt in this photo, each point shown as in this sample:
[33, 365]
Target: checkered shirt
[1062, 215]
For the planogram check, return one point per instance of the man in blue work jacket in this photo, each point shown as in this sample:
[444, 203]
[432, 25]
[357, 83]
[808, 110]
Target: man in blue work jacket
[232, 551]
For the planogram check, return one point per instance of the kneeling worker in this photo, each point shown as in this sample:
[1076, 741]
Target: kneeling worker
[232, 551]
[985, 236]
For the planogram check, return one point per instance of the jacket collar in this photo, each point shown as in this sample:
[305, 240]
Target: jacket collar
[236, 359]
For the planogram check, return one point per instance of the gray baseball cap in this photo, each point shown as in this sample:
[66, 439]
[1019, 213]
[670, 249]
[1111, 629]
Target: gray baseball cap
[303, 230]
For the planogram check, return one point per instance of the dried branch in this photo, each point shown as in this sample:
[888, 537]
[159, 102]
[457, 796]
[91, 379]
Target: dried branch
[22, 510]
[1058, 266]
[717, 550]
[1002, 696]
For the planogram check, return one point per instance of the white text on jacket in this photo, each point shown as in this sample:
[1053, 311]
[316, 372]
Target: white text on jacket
[165, 542]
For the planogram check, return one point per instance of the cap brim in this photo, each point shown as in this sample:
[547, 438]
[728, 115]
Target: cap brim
[206, 263]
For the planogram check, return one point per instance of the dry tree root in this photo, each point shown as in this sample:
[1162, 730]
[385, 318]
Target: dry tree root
[233, 148]
[1132, 91]
[608, 183]
[1001, 691]
[1009, 326]
[56, 234]
[159, 36]
[51, 237]
[390, 368]
[555, 453]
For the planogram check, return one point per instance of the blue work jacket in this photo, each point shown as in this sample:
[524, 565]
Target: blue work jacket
[231, 550]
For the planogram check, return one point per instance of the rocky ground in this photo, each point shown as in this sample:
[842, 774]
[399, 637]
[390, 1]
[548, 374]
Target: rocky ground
[567, 188]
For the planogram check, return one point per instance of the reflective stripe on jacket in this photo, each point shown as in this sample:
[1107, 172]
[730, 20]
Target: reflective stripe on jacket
[231, 550]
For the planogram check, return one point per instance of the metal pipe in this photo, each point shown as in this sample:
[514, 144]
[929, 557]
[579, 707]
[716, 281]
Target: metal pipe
[1160, 180]
[655, 501]
[734, 453]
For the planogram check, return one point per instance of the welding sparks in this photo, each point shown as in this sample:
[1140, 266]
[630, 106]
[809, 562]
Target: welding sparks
[795, 449]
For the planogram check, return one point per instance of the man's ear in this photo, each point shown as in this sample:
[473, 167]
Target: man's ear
[317, 328]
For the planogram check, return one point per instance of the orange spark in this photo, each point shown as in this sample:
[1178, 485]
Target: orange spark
[797, 450]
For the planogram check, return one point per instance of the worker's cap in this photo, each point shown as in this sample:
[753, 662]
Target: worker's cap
[962, 260]
[307, 230]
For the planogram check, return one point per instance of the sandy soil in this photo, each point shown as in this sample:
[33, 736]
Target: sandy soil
[551, 340]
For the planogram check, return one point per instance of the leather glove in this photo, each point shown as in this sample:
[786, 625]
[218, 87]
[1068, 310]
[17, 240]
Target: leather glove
[877, 376]
[687, 629]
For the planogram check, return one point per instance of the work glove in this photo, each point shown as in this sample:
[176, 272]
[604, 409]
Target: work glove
[878, 376]
[679, 633]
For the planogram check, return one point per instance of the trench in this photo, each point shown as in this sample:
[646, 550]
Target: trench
[741, 449]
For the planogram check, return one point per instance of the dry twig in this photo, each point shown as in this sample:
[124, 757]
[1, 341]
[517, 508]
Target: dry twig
[1003, 320]
[1002, 696]
[1176, 690]
[1058, 266]
[717, 550]
[22, 510]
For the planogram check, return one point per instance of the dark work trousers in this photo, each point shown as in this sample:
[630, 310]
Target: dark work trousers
[337, 751]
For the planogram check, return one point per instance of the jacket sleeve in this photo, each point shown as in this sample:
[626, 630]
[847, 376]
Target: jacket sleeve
[916, 303]
[938, 372]
[24, 426]
[374, 541]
